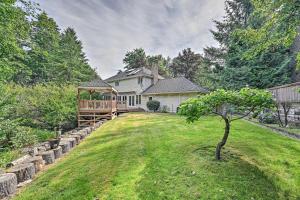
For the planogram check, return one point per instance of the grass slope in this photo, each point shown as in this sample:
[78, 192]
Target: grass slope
[159, 156]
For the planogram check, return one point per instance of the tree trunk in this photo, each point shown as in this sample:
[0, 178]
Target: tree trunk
[38, 163]
[48, 157]
[57, 152]
[278, 115]
[23, 172]
[224, 139]
[8, 184]
[286, 109]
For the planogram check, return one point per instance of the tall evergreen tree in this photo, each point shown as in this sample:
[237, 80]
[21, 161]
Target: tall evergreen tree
[237, 14]
[259, 55]
[73, 66]
[135, 59]
[14, 33]
[186, 64]
[45, 39]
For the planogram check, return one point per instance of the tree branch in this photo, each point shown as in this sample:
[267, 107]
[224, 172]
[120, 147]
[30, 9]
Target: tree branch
[245, 115]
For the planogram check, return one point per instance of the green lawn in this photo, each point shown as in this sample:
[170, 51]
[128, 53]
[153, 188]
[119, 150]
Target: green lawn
[159, 156]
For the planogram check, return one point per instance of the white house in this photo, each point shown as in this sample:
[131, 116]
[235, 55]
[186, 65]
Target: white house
[138, 86]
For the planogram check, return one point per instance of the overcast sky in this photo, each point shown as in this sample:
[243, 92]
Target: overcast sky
[110, 28]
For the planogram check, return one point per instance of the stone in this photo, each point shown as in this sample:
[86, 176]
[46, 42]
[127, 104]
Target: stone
[48, 157]
[23, 171]
[65, 146]
[57, 152]
[8, 184]
[38, 162]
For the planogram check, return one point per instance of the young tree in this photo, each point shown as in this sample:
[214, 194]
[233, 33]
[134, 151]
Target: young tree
[186, 64]
[135, 59]
[286, 106]
[226, 104]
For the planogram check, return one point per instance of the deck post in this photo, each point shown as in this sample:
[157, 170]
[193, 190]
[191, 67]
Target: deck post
[78, 107]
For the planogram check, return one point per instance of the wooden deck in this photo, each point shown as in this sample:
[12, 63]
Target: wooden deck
[92, 111]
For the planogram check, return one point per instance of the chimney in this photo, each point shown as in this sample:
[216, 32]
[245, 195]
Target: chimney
[154, 71]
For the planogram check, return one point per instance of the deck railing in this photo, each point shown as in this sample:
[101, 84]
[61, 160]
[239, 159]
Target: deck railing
[121, 105]
[93, 105]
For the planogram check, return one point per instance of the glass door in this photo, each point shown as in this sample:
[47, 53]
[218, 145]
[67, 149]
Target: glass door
[131, 101]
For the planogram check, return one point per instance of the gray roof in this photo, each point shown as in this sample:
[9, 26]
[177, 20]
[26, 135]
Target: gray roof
[95, 83]
[174, 85]
[121, 75]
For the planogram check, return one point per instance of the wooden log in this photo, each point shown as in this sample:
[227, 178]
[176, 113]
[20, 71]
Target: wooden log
[54, 143]
[89, 129]
[32, 151]
[18, 161]
[84, 131]
[82, 134]
[23, 171]
[76, 137]
[41, 149]
[38, 162]
[24, 183]
[48, 157]
[57, 152]
[46, 145]
[65, 146]
[72, 141]
[8, 184]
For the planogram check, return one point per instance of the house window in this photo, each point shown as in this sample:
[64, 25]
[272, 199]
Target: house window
[124, 98]
[117, 83]
[140, 80]
[150, 98]
[119, 98]
[138, 100]
[131, 101]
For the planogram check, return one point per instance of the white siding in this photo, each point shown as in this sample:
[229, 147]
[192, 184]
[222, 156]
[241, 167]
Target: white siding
[129, 85]
[171, 101]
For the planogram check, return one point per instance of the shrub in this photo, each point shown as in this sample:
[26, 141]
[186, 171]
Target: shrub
[267, 118]
[153, 105]
[164, 109]
[40, 108]
[6, 156]
[24, 137]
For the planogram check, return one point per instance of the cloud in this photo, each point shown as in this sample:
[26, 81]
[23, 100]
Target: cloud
[108, 29]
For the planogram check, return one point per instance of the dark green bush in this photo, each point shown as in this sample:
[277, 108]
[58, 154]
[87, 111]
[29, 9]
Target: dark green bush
[153, 105]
